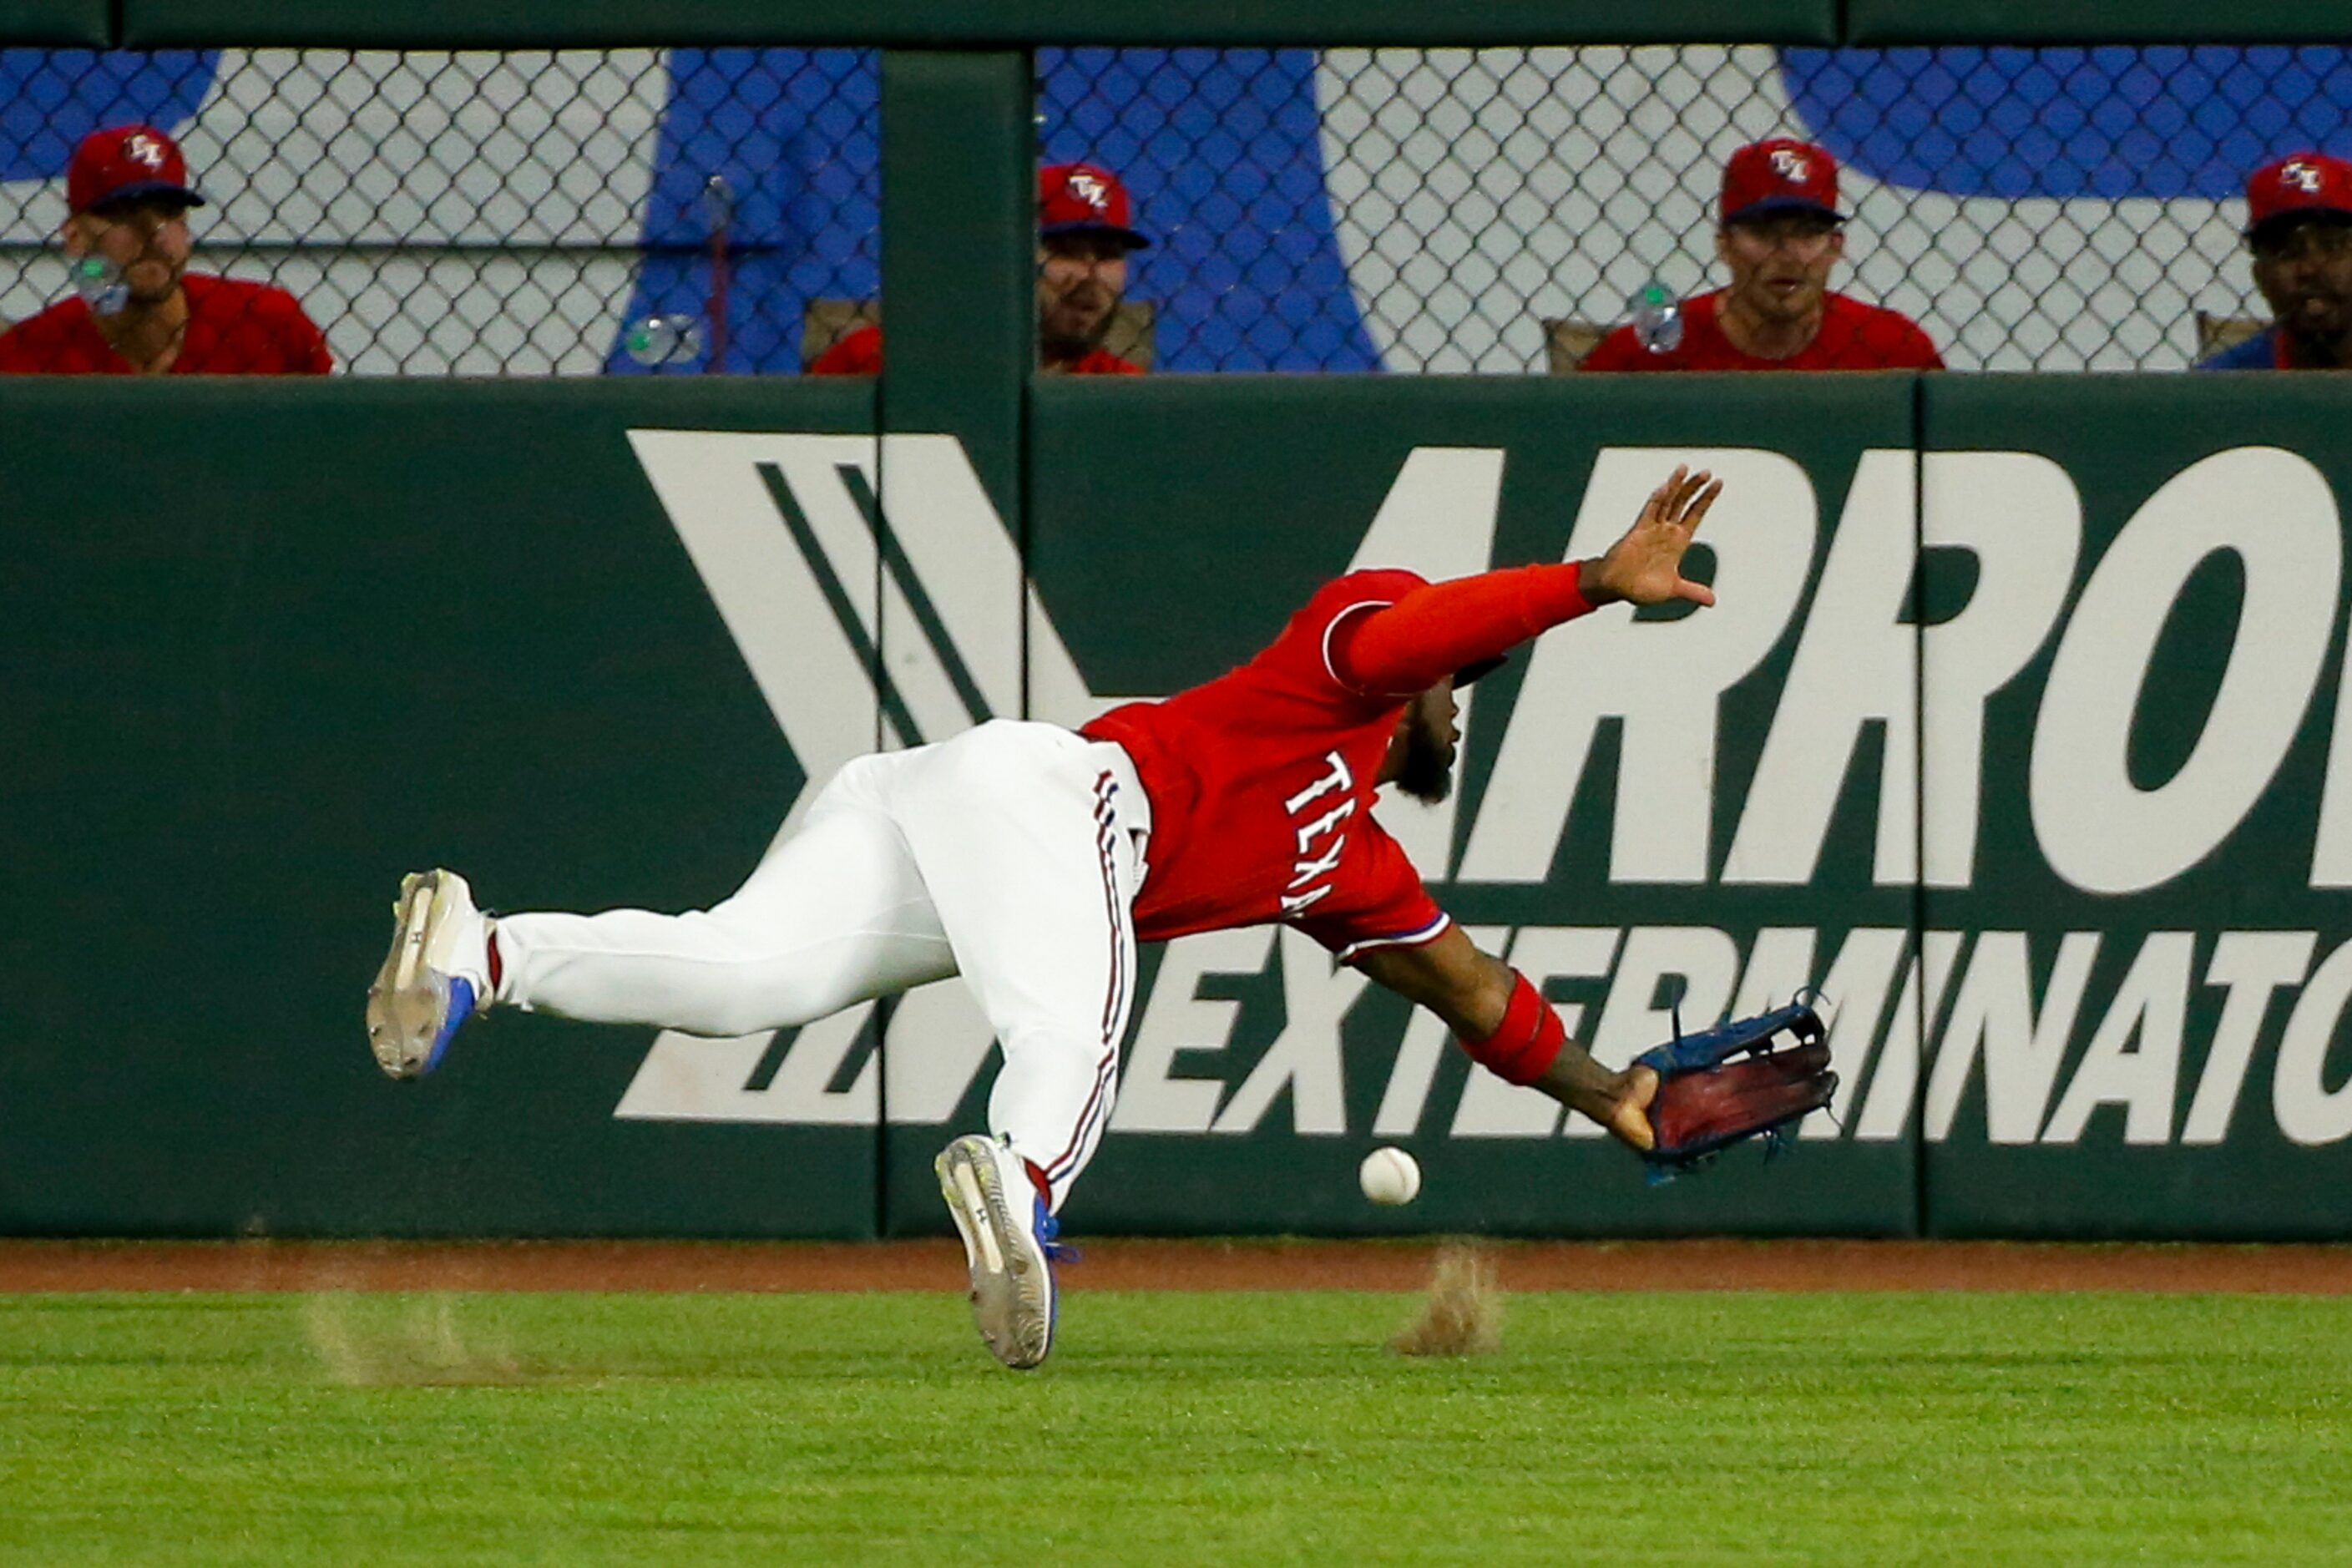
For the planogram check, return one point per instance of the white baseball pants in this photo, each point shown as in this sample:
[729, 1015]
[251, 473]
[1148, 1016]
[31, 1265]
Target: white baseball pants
[1010, 854]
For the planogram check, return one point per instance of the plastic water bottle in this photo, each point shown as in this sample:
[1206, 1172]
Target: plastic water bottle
[675, 339]
[100, 283]
[1657, 320]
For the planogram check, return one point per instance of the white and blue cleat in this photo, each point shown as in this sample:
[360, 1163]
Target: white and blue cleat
[1008, 1242]
[434, 978]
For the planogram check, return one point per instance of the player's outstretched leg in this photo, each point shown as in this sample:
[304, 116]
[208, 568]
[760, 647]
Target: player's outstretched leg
[1008, 1241]
[437, 975]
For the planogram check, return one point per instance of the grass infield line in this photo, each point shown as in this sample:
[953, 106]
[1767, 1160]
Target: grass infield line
[1718, 1263]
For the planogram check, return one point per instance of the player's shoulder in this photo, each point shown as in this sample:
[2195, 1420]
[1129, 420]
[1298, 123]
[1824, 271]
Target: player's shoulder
[1364, 587]
[858, 352]
[1303, 650]
[269, 329]
[34, 343]
[239, 300]
[49, 321]
[1617, 350]
[211, 289]
[2257, 352]
[1102, 361]
[1382, 579]
[1893, 338]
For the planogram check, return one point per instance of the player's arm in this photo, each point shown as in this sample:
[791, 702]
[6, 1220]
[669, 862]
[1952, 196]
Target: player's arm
[1507, 1027]
[1432, 631]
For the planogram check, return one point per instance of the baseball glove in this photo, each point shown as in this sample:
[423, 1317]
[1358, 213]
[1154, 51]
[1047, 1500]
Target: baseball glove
[1730, 1082]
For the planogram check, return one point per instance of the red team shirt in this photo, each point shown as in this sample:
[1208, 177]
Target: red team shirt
[860, 353]
[1260, 782]
[234, 328]
[1854, 336]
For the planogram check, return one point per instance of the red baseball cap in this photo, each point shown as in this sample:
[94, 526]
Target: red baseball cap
[2299, 182]
[125, 161]
[1780, 175]
[1080, 198]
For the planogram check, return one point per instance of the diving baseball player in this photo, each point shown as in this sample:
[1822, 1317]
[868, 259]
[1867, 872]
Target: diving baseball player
[1031, 859]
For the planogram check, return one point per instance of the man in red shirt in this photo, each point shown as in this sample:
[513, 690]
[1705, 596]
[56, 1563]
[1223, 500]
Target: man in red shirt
[1084, 239]
[1781, 236]
[2299, 229]
[1032, 859]
[139, 311]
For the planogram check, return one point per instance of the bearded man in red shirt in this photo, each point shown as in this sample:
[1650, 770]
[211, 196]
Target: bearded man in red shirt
[1031, 859]
[145, 313]
[1085, 236]
[1781, 237]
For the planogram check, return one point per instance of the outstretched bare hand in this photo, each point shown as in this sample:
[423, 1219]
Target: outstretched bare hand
[1619, 1102]
[1645, 567]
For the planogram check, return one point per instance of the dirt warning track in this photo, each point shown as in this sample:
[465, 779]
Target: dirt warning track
[1144, 1265]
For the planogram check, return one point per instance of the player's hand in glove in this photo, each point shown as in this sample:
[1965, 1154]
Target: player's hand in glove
[1754, 1075]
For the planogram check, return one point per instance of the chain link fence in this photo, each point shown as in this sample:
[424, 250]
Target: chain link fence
[1456, 210]
[519, 213]
[1407, 210]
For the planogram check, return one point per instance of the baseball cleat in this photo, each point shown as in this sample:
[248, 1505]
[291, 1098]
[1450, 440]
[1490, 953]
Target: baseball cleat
[436, 975]
[1008, 1240]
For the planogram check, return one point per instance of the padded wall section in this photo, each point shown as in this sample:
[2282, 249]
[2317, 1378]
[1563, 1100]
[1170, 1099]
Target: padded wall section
[2139, 804]
[269, 646]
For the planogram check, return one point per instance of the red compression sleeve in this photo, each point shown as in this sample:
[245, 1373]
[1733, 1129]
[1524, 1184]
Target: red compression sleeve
[1432, 631]
[1528, 1040]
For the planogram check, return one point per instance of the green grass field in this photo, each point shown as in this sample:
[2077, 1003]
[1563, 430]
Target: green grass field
[1173, 1428]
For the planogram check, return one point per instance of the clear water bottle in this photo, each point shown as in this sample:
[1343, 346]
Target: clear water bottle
[1657, 320]
[100, 283]
[657, 341]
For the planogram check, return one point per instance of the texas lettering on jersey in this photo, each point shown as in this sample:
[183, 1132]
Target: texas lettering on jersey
[1261, 783]
[1310, 876]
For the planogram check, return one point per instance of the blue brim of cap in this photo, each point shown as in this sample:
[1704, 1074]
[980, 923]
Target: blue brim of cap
[2299, 214]
[133, 192]
[1771, 204]
[1134, 240]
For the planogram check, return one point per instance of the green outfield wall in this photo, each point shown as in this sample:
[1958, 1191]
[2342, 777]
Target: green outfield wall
[2022, 730]
[2019, 728]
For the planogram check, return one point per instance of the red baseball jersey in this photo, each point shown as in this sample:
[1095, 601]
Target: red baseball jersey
[1261, 786]
[860, 353]
[1854, 336]
[235, 328]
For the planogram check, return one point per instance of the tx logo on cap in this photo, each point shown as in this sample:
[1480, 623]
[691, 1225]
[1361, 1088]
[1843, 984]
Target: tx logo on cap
[143, 149]
[1089, 189]
[1789, 164]
[2300, 175]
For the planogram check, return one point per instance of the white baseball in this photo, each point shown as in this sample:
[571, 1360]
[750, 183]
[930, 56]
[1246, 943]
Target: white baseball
[1389, 1177]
